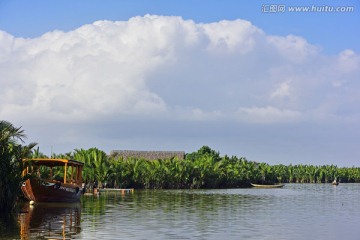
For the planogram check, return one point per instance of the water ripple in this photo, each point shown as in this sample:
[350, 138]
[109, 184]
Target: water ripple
[298, 211]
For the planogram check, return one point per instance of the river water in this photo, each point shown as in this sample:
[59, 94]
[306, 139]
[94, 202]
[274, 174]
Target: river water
[297, 211]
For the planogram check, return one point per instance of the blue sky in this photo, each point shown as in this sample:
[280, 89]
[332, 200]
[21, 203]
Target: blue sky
[277, 87]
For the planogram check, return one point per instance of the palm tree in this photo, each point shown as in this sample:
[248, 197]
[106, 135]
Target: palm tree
[96, 165]
[100, 165]
[37, 154]
[11, 165]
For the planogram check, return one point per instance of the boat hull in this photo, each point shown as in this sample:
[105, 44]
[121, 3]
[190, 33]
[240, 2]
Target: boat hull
[267, 186]
[50, 191]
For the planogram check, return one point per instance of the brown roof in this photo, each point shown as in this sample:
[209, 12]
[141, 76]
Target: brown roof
[149, 155]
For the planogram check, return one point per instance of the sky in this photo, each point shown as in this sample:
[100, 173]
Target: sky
[272, 81]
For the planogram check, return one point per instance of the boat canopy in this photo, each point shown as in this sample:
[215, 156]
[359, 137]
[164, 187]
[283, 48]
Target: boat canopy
[53, 162]
[76, 167]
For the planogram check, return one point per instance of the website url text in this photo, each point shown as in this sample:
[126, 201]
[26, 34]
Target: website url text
[281, 8]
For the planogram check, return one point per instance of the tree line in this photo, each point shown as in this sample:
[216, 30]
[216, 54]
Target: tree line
[204, 168]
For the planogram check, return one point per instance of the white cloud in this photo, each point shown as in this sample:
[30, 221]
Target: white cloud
[281, 91]
[232, 36]
[167, 67]
[348, 61]
[293, 48]
[159, 82]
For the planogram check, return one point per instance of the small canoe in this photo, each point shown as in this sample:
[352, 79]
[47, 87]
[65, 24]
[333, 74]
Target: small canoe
[267, 185]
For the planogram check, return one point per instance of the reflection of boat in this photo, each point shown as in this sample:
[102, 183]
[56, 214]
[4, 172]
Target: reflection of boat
[65, 187]
[267, 185]
[50, 221]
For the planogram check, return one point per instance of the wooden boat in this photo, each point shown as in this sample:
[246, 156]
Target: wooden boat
[267, 185]
[45, 186]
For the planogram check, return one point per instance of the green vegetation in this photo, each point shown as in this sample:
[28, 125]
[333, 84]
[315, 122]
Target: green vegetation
[11, 154]
[202, 169]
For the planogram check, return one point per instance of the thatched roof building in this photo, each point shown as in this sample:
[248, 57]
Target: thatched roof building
[149, 155]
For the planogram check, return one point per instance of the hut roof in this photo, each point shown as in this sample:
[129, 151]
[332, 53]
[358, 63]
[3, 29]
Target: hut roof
[150, 155]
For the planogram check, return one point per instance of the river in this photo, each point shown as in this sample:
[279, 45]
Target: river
[297, 211]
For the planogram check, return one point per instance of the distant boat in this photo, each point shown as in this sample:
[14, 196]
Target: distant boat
[335, 183]
[267, 185]
[65, 187]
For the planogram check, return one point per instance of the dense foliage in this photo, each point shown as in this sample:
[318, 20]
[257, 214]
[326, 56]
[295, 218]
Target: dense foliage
[202, 169]
[11, 155]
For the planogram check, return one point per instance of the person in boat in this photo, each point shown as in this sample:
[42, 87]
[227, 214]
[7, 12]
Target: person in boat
[335, 182]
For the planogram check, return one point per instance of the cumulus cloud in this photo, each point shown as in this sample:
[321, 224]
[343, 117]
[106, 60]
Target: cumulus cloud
[168, 67]
[293, 48]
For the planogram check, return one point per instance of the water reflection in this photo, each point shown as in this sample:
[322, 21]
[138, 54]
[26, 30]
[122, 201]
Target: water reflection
[177, 214]
[50, 221]
[306, 211]
[298, 211]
